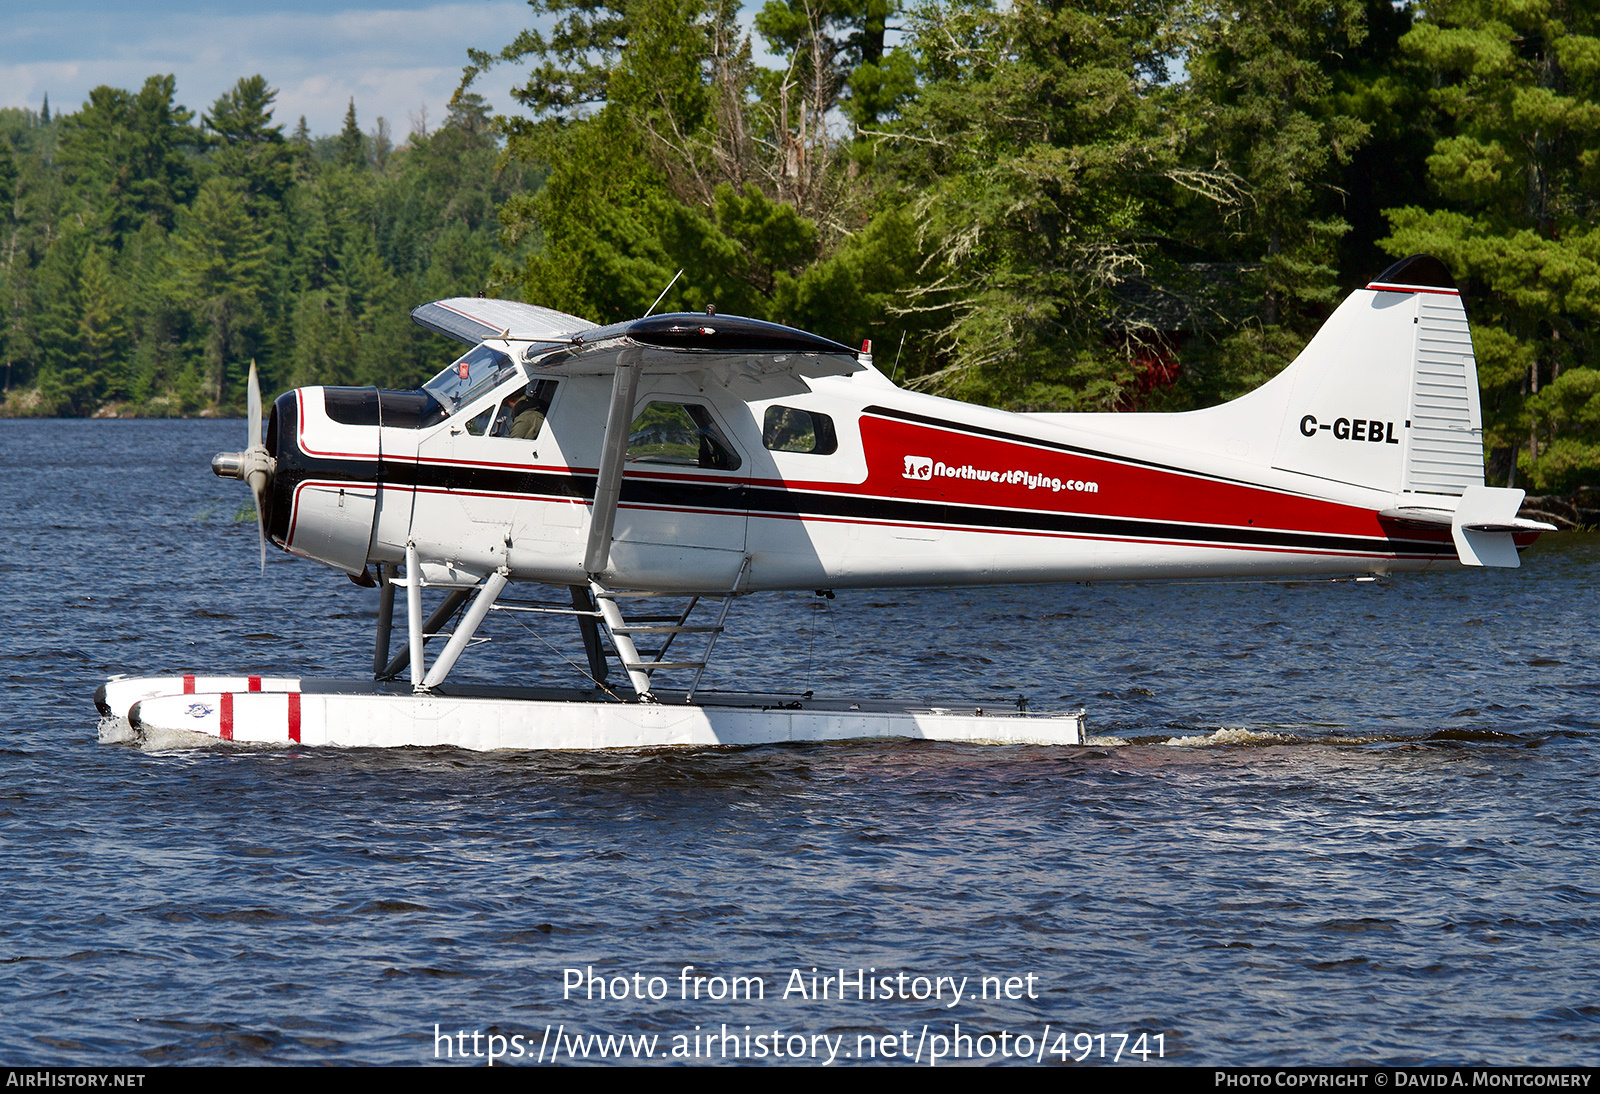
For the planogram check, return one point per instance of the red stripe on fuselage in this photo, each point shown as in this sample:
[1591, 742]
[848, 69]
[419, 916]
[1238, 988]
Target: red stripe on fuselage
[300, 436]
[1123, 490]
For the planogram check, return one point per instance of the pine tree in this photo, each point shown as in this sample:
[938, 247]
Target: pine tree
[745, 195]
[1033, 157]
[222, 270]
[1264, 68]
[253, 150]
[8, 179]
[8, 209]
[84, 339]
[128, 156]
[102, 335]
[848, 38]
[351, 148]
[1519, 173]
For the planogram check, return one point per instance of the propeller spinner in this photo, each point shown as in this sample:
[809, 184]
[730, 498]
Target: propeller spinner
[253, 465]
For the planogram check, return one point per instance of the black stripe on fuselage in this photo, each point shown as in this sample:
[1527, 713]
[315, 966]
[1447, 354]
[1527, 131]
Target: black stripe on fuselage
[982, 518]
[761, 501]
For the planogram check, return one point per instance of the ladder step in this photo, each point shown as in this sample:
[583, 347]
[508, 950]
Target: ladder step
[613, 594]
[694, 628]
[664, 628]
[543, 610]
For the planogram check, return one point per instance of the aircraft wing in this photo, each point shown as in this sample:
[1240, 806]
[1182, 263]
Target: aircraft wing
[474, 319]
[747, 349]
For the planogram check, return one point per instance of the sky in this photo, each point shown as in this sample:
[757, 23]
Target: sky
[396, 58]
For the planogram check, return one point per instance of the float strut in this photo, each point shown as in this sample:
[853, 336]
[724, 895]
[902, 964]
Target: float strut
[380, 649]
[414, 612]
[440, 614]
[582, 601]
[464, 631]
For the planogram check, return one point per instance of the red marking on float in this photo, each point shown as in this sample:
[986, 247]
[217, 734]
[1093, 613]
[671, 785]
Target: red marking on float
[188, 685]
[294, 716]
[255, 682]
[227, 716]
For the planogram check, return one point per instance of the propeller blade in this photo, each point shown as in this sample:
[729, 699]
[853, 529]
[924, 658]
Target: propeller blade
[254, 465]
[258, 479]
[258, 488]
[261, 525]
[254, 414]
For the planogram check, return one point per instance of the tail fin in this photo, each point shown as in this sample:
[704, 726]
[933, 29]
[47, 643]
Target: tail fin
[1386, 395]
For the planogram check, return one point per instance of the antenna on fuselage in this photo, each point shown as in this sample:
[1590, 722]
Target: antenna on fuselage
[663, 295]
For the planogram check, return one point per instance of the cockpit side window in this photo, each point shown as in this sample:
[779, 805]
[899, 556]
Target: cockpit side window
[681, 435]
[786, 429]
[522, 417]
[471, 375]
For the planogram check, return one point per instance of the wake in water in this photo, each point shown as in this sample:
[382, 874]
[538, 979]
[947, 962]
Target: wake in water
[1260, 738]
[1234, 737]
[116, 731]
[113, 730]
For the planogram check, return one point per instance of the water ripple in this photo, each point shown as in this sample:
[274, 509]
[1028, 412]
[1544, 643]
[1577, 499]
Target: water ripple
[1318, 822]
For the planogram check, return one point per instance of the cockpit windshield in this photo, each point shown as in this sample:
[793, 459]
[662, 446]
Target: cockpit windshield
[481, 369]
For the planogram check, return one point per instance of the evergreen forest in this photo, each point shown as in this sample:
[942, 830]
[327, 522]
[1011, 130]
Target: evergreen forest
[1067, 205]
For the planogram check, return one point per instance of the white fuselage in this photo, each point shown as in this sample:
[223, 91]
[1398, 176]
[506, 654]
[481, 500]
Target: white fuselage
[916, 490]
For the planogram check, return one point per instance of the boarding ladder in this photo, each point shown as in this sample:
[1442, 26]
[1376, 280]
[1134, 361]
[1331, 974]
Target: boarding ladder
[660, 630]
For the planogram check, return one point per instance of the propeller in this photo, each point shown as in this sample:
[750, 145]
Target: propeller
[253, 465]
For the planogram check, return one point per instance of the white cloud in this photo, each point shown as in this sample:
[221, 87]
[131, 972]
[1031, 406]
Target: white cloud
[390, 61]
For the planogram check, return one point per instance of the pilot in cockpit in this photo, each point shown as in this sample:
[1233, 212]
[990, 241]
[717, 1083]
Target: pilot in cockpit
[524, 419]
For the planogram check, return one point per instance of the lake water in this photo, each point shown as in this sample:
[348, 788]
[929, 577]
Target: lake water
[1320, 822]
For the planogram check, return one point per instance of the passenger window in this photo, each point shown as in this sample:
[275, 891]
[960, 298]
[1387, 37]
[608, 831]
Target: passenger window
[682, 435]
[786, 429]
[479, 425]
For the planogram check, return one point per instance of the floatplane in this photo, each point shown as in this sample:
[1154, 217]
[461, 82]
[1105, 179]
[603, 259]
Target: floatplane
[653, 471]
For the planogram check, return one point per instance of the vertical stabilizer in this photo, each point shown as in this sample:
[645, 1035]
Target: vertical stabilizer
[1386, 395]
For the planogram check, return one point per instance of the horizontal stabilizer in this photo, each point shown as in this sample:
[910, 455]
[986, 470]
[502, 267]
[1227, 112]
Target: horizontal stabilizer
[1484, 522]
[1419, 515]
